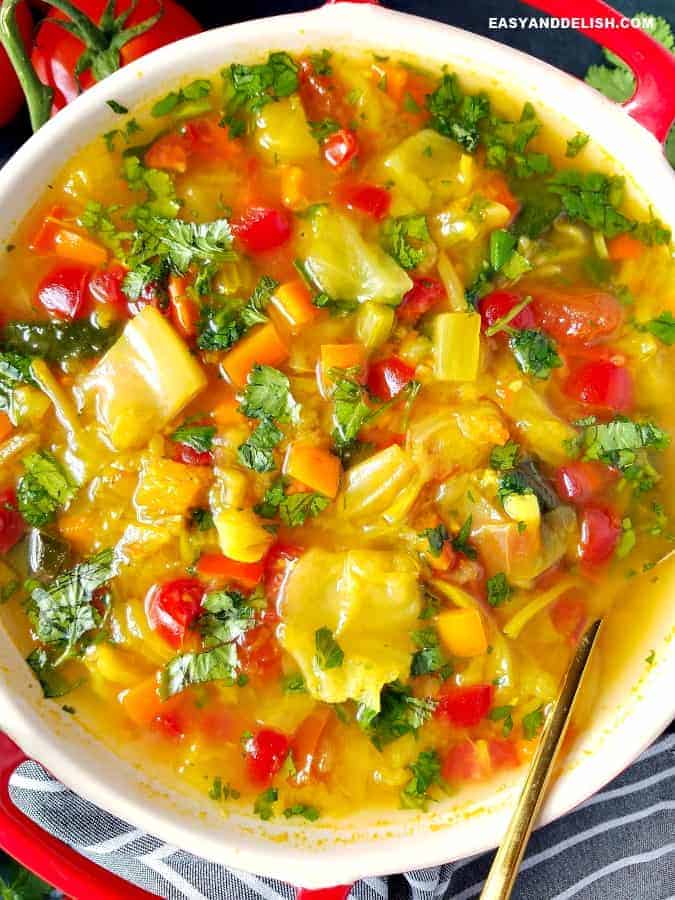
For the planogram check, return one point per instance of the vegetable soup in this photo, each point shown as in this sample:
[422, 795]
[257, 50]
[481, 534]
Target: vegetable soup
[334, 407]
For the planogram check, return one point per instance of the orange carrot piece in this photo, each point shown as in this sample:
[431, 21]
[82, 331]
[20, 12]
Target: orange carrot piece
[293, 299]
[168, 152]
[624, 246]
[339, 356]
[183, 309]
[261, 345]
[392, 79]
[6, 427]
[54, 237]
[314, 467]
[78, 530]
[497, 190]
[142, 703]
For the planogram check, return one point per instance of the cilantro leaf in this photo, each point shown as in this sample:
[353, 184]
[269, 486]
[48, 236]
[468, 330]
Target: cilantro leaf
[43, 489]
[404, 237]
[323, 128]
[429, 659]
[400, 713]
[62, 614]
[534, 352]
[512, 482]
[503, 714]
[311, 813]
[505, 456]
[457, 115]
[268, 395]
[593, 198]
[426, 772]
[294, 684]
[97, 219]
[293, 509]
[256, 451]
[576, 144]
[329, 654]
[226, 616]
[532, 723]
[196, 90]
[218, 664]
[161, 194]
[249, 88]
[506, 145]
[117, 107]
[350, 412]
[460, 542]
[264, 804]
[220, 326]
[662, 327]
[52, 682]
[498, 589]
[436, 537]
[616, 83]
[618, 442]
[55, 341]
[254, 311]
[15, 370]
[182, 244]
[198, 437]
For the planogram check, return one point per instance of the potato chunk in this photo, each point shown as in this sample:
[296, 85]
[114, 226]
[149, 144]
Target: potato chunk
[370, 601]
[167, 488]
[143, 381]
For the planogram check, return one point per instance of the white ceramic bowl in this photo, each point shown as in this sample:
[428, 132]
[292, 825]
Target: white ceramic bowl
[636, 702]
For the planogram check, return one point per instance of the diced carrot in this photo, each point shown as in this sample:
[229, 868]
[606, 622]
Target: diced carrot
[6, 427]
[261, 345]
[497, 190]
[78, 530]
[226, 413]
[339, 356]
[313, 466]
[624, 246]
[293, 299]
[183, 310]
[145, 708]
[212, 141]
[220, 567]
[392, 80]
[53, 236]
[462, 632]
[170, 151]
[306, 744]
[294, 187]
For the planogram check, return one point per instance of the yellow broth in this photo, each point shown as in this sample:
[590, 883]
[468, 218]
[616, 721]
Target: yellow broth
[361, 451]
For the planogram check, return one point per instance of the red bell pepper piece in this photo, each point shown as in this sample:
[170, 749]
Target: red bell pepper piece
[388, 377]
[422, 296]
[261, 228]
[340, 147]
[465, 705]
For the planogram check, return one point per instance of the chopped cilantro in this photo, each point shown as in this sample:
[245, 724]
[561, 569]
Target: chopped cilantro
[457, 115]
[117, 107]
[532, 723]
[505, 456]
[535, 352]
[55, 341]
[264, 804]
[43, 489]
[268, 395]
[52, 682]
[619, 443]
[404, 239]
[15, 369]
[627, 540]
[311, 813]
[429, 659]
[329, 654]
[498, 589]
[350, 412]
[254, 311]
[226, 616]
[249, 88]
[513, 482]
[576, 144]
[460, 542]
[651, 658]
[198, 437]
[323, 128]
[196, 90]
[201, 518]
[219, 664]
[293, 509]
[321, 62]
[436, 537]
[400, 713]
[426, 772]
[257, 450]
[593, 198]
[503, 714]
[662, 327]
[219, 326]
[293, 684]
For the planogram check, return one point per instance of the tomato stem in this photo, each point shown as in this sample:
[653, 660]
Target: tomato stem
[38, 96]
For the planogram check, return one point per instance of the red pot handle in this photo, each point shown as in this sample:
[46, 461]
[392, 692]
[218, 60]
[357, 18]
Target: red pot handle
[341, 892]
[46, 856]
[653, 103]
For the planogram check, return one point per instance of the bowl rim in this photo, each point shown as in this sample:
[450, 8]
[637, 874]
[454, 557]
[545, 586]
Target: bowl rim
[24, 722]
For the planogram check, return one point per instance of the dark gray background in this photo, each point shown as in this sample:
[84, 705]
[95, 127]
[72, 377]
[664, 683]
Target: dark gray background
[564, 49]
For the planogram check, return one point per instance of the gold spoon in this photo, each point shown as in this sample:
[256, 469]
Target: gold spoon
[502, 875]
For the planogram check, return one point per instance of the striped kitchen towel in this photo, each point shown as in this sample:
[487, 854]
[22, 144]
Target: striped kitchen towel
[620, 844]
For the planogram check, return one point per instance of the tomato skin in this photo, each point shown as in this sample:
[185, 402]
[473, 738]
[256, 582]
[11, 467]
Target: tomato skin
[462, 763]
[308, 745]
[260, 654]
[266, 752]
[261, 228]
[63, 292]
[185, 454]
[105, 287]
[601, 384]
[171, 608]
[496, 305]
[465, 705]
[388, 377]
[11, 95]
[279, 562]
[56, 52]
[600, 530]
[340, 147]
[12, 525]
[422, 296]
[580, 481]
[370, 199]
[577, 318]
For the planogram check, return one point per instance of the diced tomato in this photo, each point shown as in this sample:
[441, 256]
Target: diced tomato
[580, 481]
[466, 705]
[186, 454]
[462, 763]
[498, 304]
[388, 377]
[260, 654]
[173, 607]
[601, 384]
[261, 228]
[173, 717]
[63, 292]
[370, 199]
[422, 296]
[306, 744]
[577, 317]
[220, 567]
[12, 525]
[211, 141]
[170, 151]
[222, 723]
[568, 614]
[266, 752]
[503, 754]
[279, 562]
[340, 147]
[600, 530]
[105, 286]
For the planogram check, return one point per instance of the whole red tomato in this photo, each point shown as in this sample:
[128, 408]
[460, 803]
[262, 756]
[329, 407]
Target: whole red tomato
[56, 52]
[11, 95]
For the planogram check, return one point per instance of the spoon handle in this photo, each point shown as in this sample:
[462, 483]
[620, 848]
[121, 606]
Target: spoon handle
[502, 875]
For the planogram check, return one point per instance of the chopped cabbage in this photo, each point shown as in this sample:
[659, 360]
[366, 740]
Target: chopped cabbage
[370, 601]
[381, 488]
[344, 266]
[283, 134]
[143, 381]
[426, 165]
